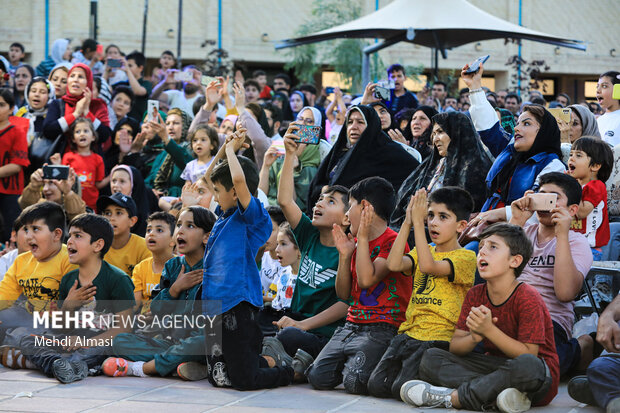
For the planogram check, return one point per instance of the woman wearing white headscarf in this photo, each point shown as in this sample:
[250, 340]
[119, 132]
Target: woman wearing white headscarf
[61, 53]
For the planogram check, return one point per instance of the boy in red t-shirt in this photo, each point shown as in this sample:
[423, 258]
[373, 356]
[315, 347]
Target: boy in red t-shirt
[14, 158]
[87, 164]
[591, 161]
[518, 365]
[378, 298]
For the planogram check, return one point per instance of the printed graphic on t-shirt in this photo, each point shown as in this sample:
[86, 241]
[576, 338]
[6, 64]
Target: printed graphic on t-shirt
[313, 274]
[539, 262]
[40, 288]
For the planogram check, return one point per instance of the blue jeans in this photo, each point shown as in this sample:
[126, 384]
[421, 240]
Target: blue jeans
[604, 377]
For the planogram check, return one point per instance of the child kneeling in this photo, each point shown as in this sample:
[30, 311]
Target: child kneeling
[519, 365]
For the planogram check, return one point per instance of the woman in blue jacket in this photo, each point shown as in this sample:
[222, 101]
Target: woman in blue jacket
[520, 160]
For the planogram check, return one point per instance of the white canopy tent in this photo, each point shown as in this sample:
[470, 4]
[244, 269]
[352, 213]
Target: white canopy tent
[439, 24]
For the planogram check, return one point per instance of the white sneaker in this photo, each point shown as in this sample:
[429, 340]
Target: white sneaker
[512, 400]
[419, 393]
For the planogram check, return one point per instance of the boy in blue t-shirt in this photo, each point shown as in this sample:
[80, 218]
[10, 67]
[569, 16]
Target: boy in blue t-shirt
[231, 286]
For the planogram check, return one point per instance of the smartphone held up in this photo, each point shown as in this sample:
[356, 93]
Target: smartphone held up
[308, 134]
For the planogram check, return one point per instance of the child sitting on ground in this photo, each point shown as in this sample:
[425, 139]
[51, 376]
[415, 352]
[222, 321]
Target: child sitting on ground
[591, 161]
[95, 286]
[231, 288]
[376, 294]
[127, 249]
[183, 349]
[316, 309]
[518, 365]
[270, 273]
[160, 241]
[289, 256]
[442, 275]
[36, 274]
[560, 261]
[16, 245]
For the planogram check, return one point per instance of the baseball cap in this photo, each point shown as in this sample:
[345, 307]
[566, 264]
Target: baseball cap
[120, 200]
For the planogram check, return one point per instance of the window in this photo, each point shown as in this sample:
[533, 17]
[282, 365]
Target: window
[546, 87]
[589, 89]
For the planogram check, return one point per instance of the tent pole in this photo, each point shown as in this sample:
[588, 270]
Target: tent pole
[365, 68]
[436, 65]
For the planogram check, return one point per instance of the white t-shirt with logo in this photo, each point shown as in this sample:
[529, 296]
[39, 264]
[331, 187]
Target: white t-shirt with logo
[609, 127]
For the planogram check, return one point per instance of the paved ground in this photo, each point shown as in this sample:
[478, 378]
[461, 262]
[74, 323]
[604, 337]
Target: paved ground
[29, 391]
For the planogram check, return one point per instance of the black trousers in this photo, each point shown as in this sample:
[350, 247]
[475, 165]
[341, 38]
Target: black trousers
[400, 363]
[480, 378]
[233, 356]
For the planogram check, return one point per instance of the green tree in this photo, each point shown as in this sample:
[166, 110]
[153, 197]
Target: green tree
[344, 55]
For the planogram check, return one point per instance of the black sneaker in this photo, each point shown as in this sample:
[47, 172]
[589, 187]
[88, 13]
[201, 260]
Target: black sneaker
[579, 389]
[69, 371]
[272, 347]
[302, 361]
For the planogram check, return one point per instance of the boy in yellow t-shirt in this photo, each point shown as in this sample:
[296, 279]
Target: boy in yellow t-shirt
[442, 276]
[127, 249]
[160, 241]
[36, 273]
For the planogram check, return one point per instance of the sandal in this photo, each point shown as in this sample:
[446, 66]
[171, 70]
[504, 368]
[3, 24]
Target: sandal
[12, 357]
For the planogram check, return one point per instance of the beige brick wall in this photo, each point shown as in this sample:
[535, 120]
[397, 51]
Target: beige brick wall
[245, 21]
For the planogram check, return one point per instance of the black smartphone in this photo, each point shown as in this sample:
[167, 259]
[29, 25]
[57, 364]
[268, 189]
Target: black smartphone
[475, 65]
[55, 171]
[382, 93]
[308, 134]
[113, 63]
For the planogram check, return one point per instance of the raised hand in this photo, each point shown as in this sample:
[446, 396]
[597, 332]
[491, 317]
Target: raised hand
[236, 141]
[345, 244]
[419, 209]
[138, 143]
[368, 214]
[124, 141]
[369, 94]
[270, 156]
[561, 219]
[397, 135]
[65, 185]
[239, 97]
[55, 159]
[472, 80]
[213, 93]
[290, 144]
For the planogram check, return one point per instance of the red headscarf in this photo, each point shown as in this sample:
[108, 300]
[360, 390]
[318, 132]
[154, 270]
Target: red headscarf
[97, 107]
[71, 99]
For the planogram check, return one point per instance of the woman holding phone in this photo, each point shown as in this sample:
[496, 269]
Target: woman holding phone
[308, 160]
[518, 165]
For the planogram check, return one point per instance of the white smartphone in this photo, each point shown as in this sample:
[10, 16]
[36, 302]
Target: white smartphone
[153, 109]
[184, 76]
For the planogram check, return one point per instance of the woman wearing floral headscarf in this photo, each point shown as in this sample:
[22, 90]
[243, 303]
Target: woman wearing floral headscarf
[308, 160]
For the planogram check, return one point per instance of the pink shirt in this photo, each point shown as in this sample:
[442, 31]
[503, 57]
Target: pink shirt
[539, 272]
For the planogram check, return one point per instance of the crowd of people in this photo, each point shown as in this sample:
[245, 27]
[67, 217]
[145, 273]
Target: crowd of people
[429, 247]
